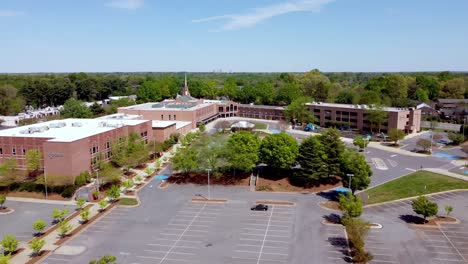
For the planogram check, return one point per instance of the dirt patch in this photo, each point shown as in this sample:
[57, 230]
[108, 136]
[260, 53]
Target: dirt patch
[276, 202]
[202, 178]
[331, 205]
[431, 222]
[38, 195]
[441, 220]
[283, 185]
[38, 257]
[131, 193]
[6, 211]
[82, 226]
[201, 200]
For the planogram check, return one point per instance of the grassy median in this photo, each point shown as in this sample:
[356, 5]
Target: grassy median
[128, 201]
[415, 184]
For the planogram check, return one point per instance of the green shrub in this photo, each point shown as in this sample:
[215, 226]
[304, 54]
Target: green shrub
[80, 202]
[84, 213]
[36, 245]
[69, 191]
[80, 180]
[28, 187]
[102, 204]
[350, 205]
[9, 243]
[39, 225]
[64, 228]
[107, 259]
[5, 259]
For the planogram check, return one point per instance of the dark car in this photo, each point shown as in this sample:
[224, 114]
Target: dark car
[259, 207]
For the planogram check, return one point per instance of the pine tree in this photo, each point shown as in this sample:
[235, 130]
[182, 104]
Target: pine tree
[334, 149]
[312, 158]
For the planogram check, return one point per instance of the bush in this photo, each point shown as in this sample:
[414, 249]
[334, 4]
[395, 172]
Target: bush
[357, 231]
[265, 188]
[58, 214]
[456, 138]
[114, 192]
[2, 200]
[64, 228]
[350, 204]
[107, 259]
[36, 245]
[80, 202]
[28, 187]
[102, 204]
[39, 225]
[9, 243]
[80, 180]
[202, 128]
[69, 191]
[5, 259]
[84, 213]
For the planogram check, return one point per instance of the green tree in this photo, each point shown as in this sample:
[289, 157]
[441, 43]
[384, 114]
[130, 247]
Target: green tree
[127, 184]
[229, 89]
[75, 109]
[298, 110]
[424, 207]
[395, 135]
[456, 138]
[5, 259]
[103, 204]
[351, 205]
[210, 152]
[288, 92]
[39, 225]
[9, 243]
[36, 245]
[357, 231]
[376, 117]
[241, 150]
[360, 142]
[84, 213]
[448, 209]
[370, 98]
[8, 171]
[107, 259]
[114, 192]
[454, 88]
[202, 128]
[96, 109]
[210, 90]
[397, 86]
[424, 143]
[279, 151]
[334, 148]
[312, 158]
[33, 159]
[185, 160]
[315, 84]
[2, 200]
[80, 202]
[347, 97]
[58, 215]
[352, 162]
[64, 227]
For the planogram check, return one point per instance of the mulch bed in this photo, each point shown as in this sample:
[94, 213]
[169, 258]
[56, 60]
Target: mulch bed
[82, 226]
[198, 200]
[132, 193]
[283, 184]
[441, 220]
[202, 178]
[39, 257]
[432, 222]
[276, 202]
[164, 185]
[139, 186]
[38, 195]
[6, 210]
[16, 252]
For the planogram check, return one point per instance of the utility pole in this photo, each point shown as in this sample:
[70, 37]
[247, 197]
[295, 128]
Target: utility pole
[97, 179]
[45, 183]
[209, 191]
[350, 179]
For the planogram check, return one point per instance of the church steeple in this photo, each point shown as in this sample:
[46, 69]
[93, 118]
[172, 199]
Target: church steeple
[185, 90]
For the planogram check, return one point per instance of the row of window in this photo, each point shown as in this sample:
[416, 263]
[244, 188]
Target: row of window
[170, 117]
[13, 151]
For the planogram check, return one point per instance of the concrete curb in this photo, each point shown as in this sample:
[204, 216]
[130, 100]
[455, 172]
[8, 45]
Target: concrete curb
[414, 197]
[9, 212]
[326, 208]
[131, 206]
[34, 200]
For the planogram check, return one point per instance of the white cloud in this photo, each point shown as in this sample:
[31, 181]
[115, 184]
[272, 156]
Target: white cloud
[10, 13]
[260, 14]
[126, 4]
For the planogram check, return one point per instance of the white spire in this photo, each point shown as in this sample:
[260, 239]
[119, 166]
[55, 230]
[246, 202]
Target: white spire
[185, 80]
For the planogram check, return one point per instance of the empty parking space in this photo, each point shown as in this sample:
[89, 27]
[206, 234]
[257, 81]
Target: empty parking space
[265, 237]
[182, 238]
[337, 249]
[377, 246]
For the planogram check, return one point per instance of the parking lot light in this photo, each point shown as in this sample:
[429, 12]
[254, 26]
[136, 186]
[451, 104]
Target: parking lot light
[209, 192]
[350, 175]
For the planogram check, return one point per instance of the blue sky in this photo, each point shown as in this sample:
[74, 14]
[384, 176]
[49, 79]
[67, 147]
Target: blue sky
[233, 35]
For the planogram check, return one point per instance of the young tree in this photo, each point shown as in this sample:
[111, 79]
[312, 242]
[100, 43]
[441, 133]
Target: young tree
[185, 160]
[39, 225]
[354, 163]
[395, 135]
[448, 209]
[138, 179]
[64, 227]
[279, 151]
[424, 207]
[360, 142]
[298, 110]
[357, 231]
[456, 138]
[33, 159]
[241, 150]
[114, 192]
[351, 205]
[2, 200]
[107, 259]
[149, 171]
[5, 259]
[424, 143]
[127, 184]
[84, 213]
[202, 128]
[437, 137]
[58, 215]
[334, 149]
[8, 171]
[36, 245]
[80, 202]
[313, 161]
[9, 244]
[103, 204]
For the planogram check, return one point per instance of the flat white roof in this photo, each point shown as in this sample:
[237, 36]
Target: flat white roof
[67, 130]
[351, 106]
[163, 124]
[120, 116]
[167, 106]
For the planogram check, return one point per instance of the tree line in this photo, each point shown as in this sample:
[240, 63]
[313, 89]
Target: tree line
[388, 89]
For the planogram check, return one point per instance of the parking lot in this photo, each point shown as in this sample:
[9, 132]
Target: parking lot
[401, 242]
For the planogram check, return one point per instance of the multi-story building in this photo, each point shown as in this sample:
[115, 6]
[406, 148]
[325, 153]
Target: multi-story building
[356, 117]
[261, 111]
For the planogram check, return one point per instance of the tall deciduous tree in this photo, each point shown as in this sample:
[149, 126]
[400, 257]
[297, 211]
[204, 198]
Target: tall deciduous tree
[376, 117]
[229, 89]
[312, 158]
[33, 159]
[279, 151]
[298, 110]
[351, 205]
[75, 109]
[185, 160]
[396, 135]
[354, 163]
[241, 150]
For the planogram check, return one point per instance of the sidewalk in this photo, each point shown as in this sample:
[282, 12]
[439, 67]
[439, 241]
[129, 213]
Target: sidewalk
[33, 200]
[52, 238]
[447, 173]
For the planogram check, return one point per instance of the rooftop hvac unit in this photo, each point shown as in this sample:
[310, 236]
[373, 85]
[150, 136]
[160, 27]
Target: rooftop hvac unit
[25, 131]
[102, 124]
[42, 128]
[112, 125]
[58, 125]
[77, 124]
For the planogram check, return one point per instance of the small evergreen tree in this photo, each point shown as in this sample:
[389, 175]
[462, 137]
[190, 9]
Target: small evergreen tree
[64, 228]
[103, 204]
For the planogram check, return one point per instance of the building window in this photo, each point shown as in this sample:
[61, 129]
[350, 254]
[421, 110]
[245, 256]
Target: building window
[24, 152]
[169, 117]
[108, 144]
[1, 151]
[175, 118]
[162, 117]
[221, 109]
[13, 151]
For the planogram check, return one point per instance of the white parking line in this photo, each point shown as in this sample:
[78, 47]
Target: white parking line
[188, 241]
[187, 228]
[161, 245]
[263, 259]
[172, 252]
[250, 245]
[171, 259]
[268, 240]
[265, 236]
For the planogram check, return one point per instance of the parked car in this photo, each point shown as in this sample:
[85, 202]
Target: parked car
[444, 142]
[259, 207]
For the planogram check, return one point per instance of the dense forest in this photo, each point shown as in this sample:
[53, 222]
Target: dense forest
[386, 89]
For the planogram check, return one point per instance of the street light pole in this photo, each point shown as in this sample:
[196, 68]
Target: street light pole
[97, 179]
[350, 179]
[209, 191]
[45, 183]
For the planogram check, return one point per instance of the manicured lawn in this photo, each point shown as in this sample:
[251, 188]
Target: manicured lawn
[260, 126]
[415, 184]
[128, 201]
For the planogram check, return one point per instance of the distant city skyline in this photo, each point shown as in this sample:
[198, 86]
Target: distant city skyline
[233, 36]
